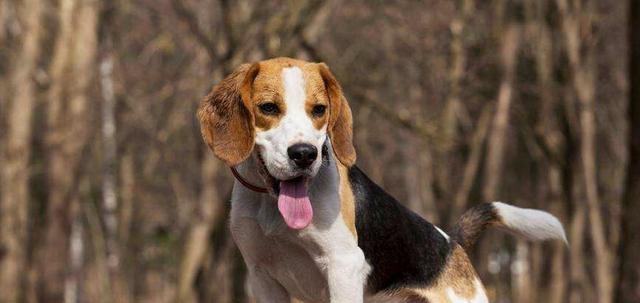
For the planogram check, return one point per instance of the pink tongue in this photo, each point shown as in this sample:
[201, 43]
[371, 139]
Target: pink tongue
[294, 204]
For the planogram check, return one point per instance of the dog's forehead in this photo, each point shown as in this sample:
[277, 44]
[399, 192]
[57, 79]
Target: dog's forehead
[270, 76]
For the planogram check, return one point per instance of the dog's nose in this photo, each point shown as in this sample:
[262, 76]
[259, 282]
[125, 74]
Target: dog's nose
[302, 154]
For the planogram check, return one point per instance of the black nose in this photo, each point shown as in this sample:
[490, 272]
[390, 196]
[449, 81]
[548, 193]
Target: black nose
[302, 154]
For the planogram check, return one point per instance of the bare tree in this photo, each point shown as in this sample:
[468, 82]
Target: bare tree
[576, 19]
[15, 198]
[68, 117]
[119, 290]
[628, 289]
[497, 138]
[453, 107]
[549, 136]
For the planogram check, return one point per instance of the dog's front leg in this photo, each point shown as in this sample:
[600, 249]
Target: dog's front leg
[346, 275]
[265, 289]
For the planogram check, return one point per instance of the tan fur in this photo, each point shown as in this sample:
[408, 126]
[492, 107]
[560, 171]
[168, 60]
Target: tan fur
[398, 296]
[340, 120]
[225, 122]
[267, 87]
[316, 94]
[458, 275]
[318, 122]
[410, 296]
[347, 200]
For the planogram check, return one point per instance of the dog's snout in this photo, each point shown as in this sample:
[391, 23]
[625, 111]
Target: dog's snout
[302, 154]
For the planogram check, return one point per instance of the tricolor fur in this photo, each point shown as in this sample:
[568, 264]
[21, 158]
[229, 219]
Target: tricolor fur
[325, 232]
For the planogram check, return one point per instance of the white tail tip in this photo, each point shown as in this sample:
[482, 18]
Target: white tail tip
[532, 224]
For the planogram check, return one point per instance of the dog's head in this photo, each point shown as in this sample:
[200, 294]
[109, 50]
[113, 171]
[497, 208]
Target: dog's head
[285, 110]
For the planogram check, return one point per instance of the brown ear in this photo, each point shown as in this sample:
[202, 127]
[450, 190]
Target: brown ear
[340, 120]
[226, 121]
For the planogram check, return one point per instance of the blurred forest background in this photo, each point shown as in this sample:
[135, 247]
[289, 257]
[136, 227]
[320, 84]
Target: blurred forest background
[108, 193]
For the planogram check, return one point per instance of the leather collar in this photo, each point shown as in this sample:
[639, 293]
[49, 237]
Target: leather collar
[246, 183]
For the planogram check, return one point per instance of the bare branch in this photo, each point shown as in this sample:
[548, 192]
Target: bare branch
[471, 166]
[188, 17]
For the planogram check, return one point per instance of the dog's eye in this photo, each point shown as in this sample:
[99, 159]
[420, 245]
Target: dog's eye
[318, 110]
[269, 108]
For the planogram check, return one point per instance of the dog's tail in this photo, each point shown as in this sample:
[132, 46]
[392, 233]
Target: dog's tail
[531, 224]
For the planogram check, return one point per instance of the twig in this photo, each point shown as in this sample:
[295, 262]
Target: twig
[428, 131]
[471, 166]
[191, 20]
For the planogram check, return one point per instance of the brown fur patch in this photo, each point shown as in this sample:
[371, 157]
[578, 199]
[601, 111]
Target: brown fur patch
[266, 88]
[412, 297]
[347, 200]
[402, 295]
[458, 275]
[225, 122]
[317, 94]
[340, 119]
[318, 122]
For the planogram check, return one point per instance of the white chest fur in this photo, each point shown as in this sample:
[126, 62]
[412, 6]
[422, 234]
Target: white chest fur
[321, 263]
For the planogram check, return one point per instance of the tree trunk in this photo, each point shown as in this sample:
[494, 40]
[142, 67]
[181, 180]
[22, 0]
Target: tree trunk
[453, 104]
[3, 16]
[548, 134]
[471, 166]
[14, 176]
[68, 118]
[576, 26]
[197, 244]
[578, 276]
[629, 268]
[119, 288]
[73, 283]
[497, 140]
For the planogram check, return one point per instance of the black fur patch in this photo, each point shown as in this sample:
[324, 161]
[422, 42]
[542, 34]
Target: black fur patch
[402, 248]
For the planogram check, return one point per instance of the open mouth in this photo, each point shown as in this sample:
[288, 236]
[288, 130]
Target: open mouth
[293, 198]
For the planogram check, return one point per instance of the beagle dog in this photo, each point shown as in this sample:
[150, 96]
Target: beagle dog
[309, 223]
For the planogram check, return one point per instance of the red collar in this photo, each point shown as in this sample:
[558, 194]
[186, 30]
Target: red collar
[246, 183]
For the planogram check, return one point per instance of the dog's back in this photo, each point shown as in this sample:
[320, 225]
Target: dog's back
[414, 261]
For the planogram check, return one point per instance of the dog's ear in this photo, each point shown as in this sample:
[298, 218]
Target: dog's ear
[225, 115]
[340, 120]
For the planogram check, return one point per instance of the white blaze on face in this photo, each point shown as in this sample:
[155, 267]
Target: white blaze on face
[294, 127]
